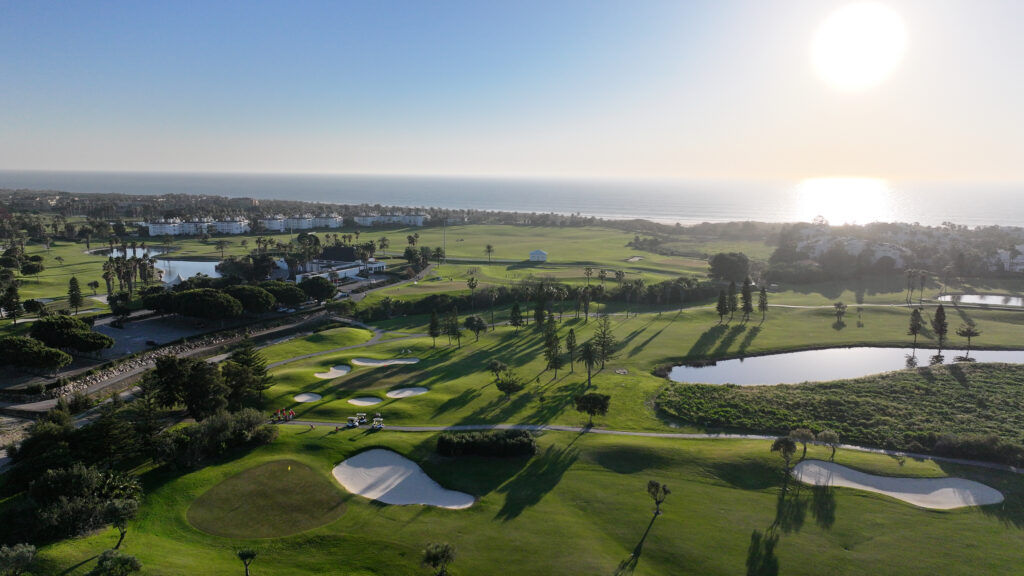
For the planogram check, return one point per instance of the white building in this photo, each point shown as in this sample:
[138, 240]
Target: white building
[167, 228]
[538, 256]
[1012, 262]
[273, 224]
[391, 219]
[239, 226]
[298, 223]
[328, 222]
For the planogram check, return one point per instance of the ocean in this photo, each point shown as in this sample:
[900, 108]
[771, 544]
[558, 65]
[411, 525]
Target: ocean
[856, 201]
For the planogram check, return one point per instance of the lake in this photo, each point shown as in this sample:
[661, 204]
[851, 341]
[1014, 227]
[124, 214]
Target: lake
[823, 365]
[171, 268]
[984, 299]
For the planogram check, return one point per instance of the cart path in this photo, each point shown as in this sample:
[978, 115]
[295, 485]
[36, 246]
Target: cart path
[669, 435]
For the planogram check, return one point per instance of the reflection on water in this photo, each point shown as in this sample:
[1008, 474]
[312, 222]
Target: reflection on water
[845, 200]
[171, 268]
[985, 299]
[824, 365]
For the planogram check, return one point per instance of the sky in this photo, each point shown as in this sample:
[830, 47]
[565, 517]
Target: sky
[722, 89]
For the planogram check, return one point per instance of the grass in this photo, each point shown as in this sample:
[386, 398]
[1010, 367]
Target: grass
[326, 340]
[462, 391]
[275, 499]
[578, 507]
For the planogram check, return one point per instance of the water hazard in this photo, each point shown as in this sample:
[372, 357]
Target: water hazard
[825, 365]
[984, 299]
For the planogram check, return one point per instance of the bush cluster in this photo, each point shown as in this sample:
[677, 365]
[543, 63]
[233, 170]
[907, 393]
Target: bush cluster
[500, 443]
[190, 445]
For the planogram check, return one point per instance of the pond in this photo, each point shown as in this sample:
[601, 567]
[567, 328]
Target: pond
[984, 299]
[824, 365]
[171, 268]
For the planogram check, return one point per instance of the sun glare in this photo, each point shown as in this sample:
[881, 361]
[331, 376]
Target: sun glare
[844, 200]
[859, 45]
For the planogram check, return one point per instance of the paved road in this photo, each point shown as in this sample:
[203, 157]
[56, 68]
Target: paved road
[670, 435]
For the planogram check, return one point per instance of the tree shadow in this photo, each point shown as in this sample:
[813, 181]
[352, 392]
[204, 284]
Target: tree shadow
[72, 569]
[706, 340]
[838, 325]
[748, 338]
[456, 402]
[539, 477]
[761, 559]
[823, 505]
[628, 566]
[726, 342]
[790, 508]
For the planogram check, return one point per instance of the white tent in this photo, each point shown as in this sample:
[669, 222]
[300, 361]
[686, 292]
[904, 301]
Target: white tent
[538, 256]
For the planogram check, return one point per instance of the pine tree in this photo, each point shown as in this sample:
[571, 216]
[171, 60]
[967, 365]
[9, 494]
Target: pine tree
[733, 301]
[940, 325]
[723, 306]
[762, 303]
[916, 324]
[604, 340]
[747, 299]
[435, 328]
[570, 348]
[74, 294]
[250, 358]
[515, 317]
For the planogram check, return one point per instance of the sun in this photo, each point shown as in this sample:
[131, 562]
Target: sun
[859, 45]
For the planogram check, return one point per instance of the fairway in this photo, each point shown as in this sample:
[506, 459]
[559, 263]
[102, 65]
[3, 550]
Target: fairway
[579, 507]
[272, 500]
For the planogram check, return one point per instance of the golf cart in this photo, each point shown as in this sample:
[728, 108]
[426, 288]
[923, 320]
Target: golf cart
[360, 417]
[353, 422]
[378, 423]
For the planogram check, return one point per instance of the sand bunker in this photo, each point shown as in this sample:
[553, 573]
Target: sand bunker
[391, 478]
[307, 397]
[365, 401]
[375, 362]
[634, 258]
[334, 372]
[407, 392]
[937, 493]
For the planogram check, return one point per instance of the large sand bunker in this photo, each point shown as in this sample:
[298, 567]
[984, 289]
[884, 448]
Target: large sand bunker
[376, 362]
[334, 372]
[407, 392]
[937, 493]
[364, 401]
[307, 397]
[391, 478]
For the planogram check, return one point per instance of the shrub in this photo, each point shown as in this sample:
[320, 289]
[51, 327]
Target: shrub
[499, 443]
[190, 445]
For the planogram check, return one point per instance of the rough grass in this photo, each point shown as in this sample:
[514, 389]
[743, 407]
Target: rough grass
[908, 409]
[579, 507]
[271, 500]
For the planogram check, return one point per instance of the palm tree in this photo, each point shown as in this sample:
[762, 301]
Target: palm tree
[59, 259]
[786, 448]
[221, 245]
[589, 356]
[488, 250]
[438, 556]
[588, 271]
[384, 244]
[658, 493]
[246, 556]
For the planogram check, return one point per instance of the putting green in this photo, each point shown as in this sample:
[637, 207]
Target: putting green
[272, 500]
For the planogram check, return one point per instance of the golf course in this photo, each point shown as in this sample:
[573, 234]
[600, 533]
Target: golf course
[327, 498]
